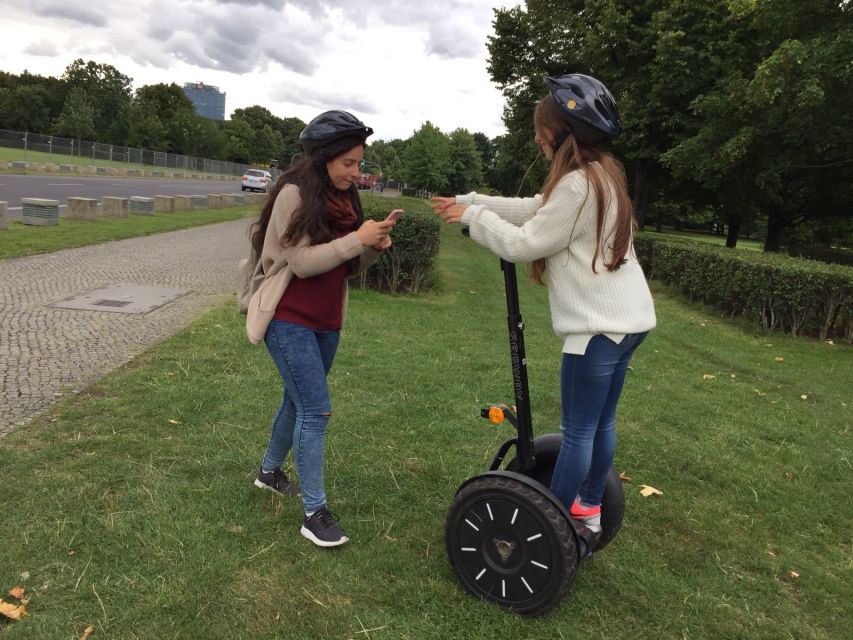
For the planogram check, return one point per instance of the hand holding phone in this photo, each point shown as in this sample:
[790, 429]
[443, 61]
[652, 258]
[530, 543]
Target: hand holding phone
[394, 215]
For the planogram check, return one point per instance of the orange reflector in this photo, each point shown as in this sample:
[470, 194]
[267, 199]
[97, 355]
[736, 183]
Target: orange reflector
[496, 415]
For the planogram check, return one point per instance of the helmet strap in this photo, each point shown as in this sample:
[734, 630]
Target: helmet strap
[561, 138]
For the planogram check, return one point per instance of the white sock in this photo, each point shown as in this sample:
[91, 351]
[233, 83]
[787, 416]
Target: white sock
[308, 514]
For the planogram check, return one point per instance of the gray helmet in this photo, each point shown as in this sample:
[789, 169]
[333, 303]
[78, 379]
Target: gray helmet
[587, 106]
[330, 126]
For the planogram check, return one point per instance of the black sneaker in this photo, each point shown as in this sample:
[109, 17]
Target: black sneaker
[322, 529]
[276, 481]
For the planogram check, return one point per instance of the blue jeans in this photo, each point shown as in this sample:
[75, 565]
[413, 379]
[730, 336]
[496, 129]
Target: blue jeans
[591, 386]
[303, 357]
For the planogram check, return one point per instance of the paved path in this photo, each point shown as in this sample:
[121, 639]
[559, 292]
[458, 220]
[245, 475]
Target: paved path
[46, 352]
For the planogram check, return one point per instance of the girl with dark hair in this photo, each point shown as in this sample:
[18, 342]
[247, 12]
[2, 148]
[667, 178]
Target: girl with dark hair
[578, 236]
[311, 237]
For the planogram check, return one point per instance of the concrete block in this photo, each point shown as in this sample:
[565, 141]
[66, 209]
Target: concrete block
[66, 168]
[227, 200]
[40, 212]
[238, 199]
[199, 202]
[81, 208]
[164, 203]
[141, 206]
[51, 167]
[4, 165]
[90, 170]
[17, 164]
[183, 203]
[214, 201]
[102, 171]
[4, 215]
[134, 172]
[114, 207]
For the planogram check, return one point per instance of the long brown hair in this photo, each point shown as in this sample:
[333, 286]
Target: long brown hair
[312, 177]
[601, 170]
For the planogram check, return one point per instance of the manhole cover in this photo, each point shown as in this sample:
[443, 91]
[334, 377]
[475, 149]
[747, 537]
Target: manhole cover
[121, 298]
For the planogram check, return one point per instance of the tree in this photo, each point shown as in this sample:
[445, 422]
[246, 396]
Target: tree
[77, 119]
[776, 132]
[109, 92]
[654, 57]
[466, 163]
[427, 159]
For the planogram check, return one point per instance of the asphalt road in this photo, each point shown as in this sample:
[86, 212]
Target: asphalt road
[61, 186]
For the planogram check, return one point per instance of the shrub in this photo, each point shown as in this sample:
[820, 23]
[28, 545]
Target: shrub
[799, 296]
[408, 264]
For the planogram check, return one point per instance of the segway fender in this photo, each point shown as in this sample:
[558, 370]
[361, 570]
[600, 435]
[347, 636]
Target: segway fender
[525, 480]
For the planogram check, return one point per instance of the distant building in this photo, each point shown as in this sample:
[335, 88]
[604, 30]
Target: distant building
[208, 100]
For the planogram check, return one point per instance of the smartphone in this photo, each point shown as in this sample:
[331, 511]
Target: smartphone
[394, 215]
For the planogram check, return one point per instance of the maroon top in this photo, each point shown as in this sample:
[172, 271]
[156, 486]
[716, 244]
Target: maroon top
[316, 302]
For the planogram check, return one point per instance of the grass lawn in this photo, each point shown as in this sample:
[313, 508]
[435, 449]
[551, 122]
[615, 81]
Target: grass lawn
[25, 240]
[131, 506]
[13, 154]
[742, 243]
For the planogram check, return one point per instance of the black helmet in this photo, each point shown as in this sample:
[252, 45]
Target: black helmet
[330, 126]
[587, 106]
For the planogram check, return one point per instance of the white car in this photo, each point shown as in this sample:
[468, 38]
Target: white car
[256, 180]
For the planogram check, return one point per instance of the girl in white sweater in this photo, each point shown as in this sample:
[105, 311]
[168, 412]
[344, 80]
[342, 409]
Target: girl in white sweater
[578, 236]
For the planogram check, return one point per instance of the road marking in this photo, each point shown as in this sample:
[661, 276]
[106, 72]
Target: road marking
[64, 184]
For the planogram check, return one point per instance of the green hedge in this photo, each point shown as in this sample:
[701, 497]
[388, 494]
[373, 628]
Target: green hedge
[798, 296]
[408, 264]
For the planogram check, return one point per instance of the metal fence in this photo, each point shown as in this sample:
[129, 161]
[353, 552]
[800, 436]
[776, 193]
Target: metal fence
[70, 151]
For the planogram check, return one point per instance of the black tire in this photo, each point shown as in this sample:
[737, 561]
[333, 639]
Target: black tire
[546, 448]
[510, 544]
[242, 187]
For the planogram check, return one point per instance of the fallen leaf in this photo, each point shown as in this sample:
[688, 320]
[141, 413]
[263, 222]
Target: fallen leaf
[709, 376]
[789, 475]
[793, 575]
[277, 616]
[174, 421]
[732, 375]
[701, 324]
[624, 477]
[829, 342]
[804, 397]
[773, 553]
[647, 491]
[779, 359]
[17, 593]
[12, 611]
[89, 630]
[760, 394]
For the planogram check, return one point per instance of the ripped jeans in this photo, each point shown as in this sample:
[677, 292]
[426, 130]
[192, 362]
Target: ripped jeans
[303, 357]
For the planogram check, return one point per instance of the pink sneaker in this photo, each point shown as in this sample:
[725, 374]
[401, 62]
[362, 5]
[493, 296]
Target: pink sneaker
[581, 512]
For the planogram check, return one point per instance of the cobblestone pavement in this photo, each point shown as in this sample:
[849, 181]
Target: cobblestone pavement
[46, 352]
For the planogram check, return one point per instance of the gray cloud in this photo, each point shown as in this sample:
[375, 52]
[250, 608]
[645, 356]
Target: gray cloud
[86, 15]
[323, 99]
[44, 48]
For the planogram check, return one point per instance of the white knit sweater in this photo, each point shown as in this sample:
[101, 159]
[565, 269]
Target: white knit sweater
[562, 231]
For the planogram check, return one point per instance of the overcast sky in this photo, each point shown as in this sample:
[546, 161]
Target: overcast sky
[394, 63]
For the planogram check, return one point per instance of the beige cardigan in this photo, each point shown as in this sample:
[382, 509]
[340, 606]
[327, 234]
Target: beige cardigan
[278, 263]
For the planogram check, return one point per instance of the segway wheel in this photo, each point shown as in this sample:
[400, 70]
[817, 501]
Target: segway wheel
[546, 448]
[510, 544]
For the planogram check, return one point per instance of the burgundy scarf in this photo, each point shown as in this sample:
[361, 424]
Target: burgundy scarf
[342, 214]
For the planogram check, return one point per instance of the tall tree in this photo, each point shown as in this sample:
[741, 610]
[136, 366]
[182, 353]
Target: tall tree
[776, 131]
[109, 92]
[427, 159]
[77, 119]
[466, 163]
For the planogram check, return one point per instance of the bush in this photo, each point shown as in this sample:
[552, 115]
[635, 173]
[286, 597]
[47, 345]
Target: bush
[408, 264]
[799, 296]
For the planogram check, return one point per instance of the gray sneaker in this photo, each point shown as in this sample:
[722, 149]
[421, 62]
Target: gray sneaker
[276, 481]
[322, 529]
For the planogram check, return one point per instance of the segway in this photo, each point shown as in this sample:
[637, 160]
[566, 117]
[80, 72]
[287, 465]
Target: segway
[508, 538]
